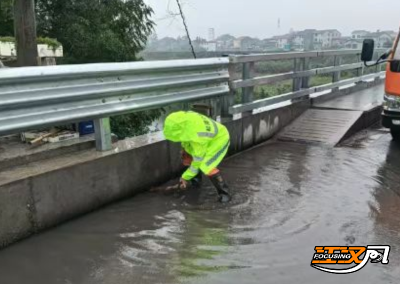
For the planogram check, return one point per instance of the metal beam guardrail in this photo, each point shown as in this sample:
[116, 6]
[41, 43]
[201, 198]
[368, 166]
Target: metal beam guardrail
[37, 97]
[241, 108]
[300, 75]
[44, 96]
[269, 79]
[291, 55]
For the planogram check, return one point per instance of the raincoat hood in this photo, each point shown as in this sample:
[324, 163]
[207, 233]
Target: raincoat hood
[175, 127]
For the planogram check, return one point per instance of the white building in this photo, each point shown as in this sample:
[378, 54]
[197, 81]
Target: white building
[315, 39]
[359, 34]
[325, 38]
[382, 39]
[282, 41]
[8, 50]
[354, 44]
[309, 39]
[298, 42]
[210, 46]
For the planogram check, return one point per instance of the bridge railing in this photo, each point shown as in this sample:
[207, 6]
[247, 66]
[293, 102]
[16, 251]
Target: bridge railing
[300, 75]
[37, 97]
[44, 96]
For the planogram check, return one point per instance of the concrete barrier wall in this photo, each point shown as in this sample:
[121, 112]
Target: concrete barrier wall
[44, 200]
[38, 201]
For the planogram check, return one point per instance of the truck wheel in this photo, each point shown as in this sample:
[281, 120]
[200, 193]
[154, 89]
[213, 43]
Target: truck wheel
[395, 134]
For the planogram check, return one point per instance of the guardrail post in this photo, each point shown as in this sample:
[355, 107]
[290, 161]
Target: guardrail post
[378, 66]
[248, 73]
[337, 61]
[305, 81]
[102, 130]
[297, 82]
[360, 71]
[215, 108]
[228, 100]
[301, 64]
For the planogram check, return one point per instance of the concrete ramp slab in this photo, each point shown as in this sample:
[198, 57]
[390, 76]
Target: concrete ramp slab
[364, 100]
[321, 126]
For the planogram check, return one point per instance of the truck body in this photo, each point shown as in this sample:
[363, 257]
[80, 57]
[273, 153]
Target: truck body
[391, 107]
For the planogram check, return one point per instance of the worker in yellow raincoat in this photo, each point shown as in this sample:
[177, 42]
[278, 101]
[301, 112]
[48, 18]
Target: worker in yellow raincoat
[206, 143]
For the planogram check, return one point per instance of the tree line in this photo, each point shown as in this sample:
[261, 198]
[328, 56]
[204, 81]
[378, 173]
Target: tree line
[89, 30]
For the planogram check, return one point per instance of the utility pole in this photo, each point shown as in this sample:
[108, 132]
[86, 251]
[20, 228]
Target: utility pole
[25, 32]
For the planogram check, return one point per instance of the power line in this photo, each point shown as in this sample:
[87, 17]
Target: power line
[186, 28]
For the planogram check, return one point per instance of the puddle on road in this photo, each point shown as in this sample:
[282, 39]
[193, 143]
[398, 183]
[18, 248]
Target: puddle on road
[365, 137]
[288, 199]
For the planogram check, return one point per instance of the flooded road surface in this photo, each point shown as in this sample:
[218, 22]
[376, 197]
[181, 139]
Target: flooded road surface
[288, 199]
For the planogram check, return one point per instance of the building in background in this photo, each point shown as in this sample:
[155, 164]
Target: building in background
[309, 39]
[305, 40]
[211, 34]
[339, 42]
[225, 42]
[282, 41]
[353, 43]
[359, 34]
[209, 46]
[324, 39]
[383, 39]
[246, 43]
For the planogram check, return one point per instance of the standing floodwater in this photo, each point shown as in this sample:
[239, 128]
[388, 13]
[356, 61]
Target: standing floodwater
[289, 199]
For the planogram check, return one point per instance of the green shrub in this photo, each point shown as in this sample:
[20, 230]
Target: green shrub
[134, 124]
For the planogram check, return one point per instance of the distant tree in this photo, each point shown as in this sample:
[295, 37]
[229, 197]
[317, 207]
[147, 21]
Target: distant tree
[6, 18]
[134, 124]
[90, 30]
[96, 31]
[226, 37]
[101, 31]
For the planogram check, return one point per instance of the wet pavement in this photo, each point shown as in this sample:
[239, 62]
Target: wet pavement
[288, 199]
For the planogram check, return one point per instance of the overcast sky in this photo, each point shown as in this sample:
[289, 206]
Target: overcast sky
[259, 18]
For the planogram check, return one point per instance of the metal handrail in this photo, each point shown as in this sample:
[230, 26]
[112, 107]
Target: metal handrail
[269, 79]
[300, 75]
[247, 107]
[36, 97]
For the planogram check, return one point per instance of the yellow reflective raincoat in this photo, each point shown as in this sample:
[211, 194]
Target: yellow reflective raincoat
[206, 140]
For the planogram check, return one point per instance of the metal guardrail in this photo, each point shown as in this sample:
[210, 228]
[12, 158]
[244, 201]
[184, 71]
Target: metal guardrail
[46, 96]
[37, 97]
[300, 75]
[291, 55]
[299, 94]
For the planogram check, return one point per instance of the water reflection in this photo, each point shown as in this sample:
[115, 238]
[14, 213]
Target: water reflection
[288, 198]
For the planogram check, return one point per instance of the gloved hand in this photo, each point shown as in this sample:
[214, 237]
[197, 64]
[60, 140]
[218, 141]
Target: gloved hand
[183, 184]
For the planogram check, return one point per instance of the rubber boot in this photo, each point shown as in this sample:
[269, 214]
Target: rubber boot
[222, 188]
[197, 181]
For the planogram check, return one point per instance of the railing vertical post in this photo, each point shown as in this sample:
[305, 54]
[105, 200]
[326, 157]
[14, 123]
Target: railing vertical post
[215, 107]
[360, 71]
[305, 81]
[378, 66]
[248, 73]
[102, 130]
[228, 100]
[337, 61]
[297, 82]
